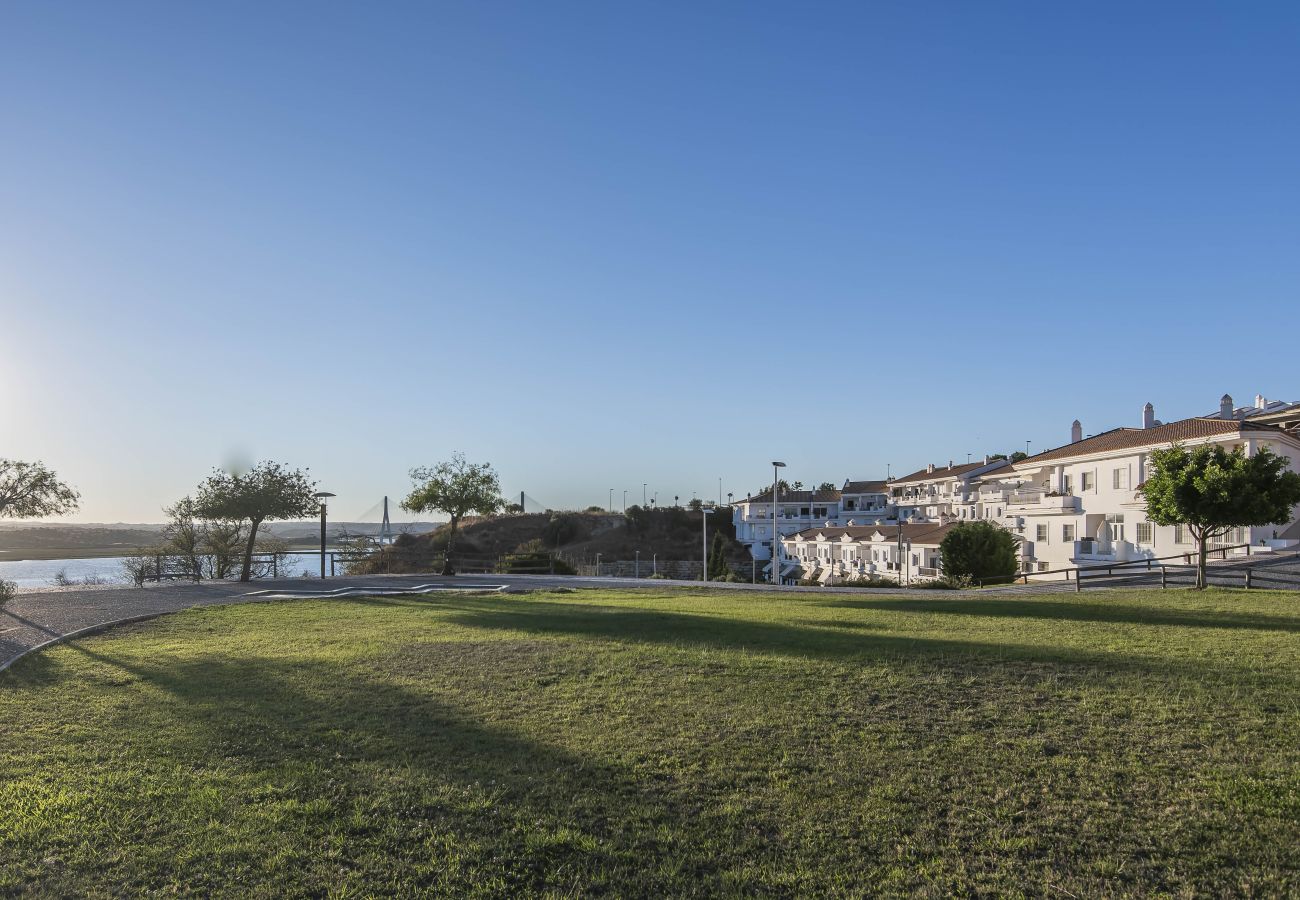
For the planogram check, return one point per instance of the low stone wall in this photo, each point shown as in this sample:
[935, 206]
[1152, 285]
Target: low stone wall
[680, 569]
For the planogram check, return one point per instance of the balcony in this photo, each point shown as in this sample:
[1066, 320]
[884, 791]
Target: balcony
[1040, 501]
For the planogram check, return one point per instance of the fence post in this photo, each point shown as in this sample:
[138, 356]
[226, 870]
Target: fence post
[1248, 579]
[331, 564]
[1078, 581]
[1164, 578]
[275, 566]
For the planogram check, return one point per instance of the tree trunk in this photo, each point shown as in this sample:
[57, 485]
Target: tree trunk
[451, 542]
[247, 573]
[1201, 540]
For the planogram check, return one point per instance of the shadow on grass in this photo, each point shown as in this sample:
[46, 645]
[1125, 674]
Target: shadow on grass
[405, 775]
[828, 641]
[1116, 612]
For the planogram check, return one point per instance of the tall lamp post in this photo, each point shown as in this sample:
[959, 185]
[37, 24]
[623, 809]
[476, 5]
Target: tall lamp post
[611, 499]
[704, 572]
[322, 496]
[776, 466]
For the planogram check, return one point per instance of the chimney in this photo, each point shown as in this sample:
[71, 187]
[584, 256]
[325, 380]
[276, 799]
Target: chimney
[1148, 416]
[1076, 432]
[1225, 407]
[986, 459]
[930, 469]
[1260, 402]
[950, 463]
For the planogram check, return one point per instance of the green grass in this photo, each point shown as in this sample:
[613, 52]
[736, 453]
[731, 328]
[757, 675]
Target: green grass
[665, 743]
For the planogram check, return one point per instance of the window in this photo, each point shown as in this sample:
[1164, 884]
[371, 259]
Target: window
[1119, 479]
[1086, 481]
[1042, 566]
[1182, 534]
[1067, 485]
[1144, 533]
[1067, 533]
[1040, 533]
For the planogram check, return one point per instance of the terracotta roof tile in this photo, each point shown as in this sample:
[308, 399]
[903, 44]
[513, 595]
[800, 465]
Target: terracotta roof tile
[914, 532]
[865, 487]
[795, 497]
[1160, 435]
[950, 472]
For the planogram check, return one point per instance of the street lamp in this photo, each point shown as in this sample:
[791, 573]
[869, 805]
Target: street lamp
[704, 572]
[637, 570]
[611, 499]
[322, 496]
[1027, 448]
[625, 503]
[775, 578]
[643, 495]
[729, 496]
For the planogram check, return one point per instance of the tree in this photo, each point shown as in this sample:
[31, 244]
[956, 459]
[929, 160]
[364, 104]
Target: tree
[1211, 491]
[31, 491]
[979, 550]
[696, 504]
[1017, 456]
[826, 486]
[457, 488]
[717, 567]
[268, 491]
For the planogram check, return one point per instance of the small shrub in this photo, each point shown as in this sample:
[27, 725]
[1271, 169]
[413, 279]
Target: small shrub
[61, 579]
[7, 591]
[869, 581]
[658, 576]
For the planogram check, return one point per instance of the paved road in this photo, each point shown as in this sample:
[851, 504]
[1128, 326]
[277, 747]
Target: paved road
[37, 618]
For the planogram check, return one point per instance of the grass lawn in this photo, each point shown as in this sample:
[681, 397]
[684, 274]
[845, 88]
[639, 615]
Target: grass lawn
[665, 743]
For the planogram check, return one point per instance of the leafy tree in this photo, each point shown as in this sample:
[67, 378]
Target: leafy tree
[798, 485]
[31, 491]
[268, 491]
[826, 486]
[695, 504]
[1017, 456]
[979, 550]
[1211, 490]
[457, 488]
[513, 509]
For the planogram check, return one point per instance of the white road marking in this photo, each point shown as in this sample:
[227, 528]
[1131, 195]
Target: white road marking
[372, 591]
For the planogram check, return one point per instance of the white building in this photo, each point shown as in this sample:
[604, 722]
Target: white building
[904, 553]
[797, 510]
[1079, 505]
[942, 494]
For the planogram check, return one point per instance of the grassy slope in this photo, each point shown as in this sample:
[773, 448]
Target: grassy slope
[655, 743]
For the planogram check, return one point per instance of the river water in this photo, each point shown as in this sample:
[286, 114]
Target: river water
[30, 573]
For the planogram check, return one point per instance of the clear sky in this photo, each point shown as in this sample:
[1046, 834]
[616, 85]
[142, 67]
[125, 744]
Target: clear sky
[608, 244]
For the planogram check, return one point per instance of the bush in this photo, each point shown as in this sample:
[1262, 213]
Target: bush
[7, 591]
[869, 581]
[657, 576]
[980, 550]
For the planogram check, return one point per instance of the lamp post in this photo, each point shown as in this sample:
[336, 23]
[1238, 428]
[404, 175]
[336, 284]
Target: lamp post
[776, 578]
[625, 503]
[597, 565]
[322, 496]
[704, 519]
[643, 494]
[611, 499]
[637, 570]
[1027, 448]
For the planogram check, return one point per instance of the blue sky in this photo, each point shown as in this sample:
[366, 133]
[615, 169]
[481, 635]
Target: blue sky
[598, 244]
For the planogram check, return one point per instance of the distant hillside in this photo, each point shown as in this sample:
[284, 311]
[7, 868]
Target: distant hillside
[575, 536]
[51, 540]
